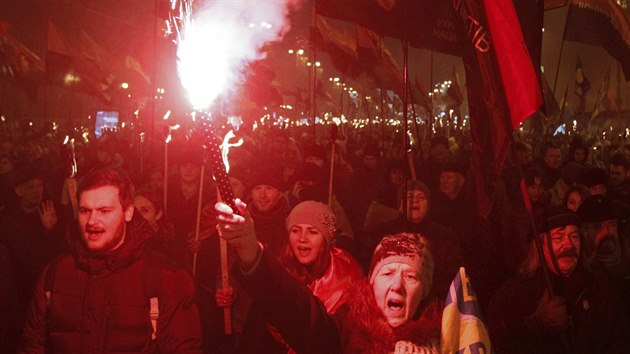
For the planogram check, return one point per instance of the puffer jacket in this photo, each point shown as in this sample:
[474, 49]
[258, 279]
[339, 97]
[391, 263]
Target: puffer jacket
[89, 304]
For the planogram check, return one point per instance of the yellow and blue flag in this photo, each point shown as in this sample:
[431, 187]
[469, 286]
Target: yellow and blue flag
[463, 329]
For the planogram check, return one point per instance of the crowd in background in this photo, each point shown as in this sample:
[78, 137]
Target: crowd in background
[275, 170]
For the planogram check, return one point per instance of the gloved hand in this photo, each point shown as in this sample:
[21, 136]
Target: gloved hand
[551, 315]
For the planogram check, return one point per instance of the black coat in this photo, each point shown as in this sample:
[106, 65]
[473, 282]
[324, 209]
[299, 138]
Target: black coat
[597, 322]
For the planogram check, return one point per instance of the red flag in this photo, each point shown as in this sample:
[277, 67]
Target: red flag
[491, 125]
[602, 23]
[522, 90]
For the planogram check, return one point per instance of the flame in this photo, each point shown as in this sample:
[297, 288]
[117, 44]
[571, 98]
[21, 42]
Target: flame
[225, 148]
[223, 37]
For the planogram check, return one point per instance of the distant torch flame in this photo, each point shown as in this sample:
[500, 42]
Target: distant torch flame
[223, 37]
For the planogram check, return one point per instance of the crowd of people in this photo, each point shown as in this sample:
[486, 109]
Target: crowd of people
[347, 249]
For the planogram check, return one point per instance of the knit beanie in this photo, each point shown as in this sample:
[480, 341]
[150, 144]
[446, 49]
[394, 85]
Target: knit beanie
[313, 213]
[405, 248]
[597, 208]
[266, 175]
[593, 176]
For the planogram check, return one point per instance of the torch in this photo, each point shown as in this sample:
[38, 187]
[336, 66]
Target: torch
[213, 48]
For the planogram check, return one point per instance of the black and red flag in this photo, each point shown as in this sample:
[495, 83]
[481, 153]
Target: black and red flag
[601, 23]
[502, 87]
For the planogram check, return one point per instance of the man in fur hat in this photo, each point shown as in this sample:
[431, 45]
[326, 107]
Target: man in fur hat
[575, 311]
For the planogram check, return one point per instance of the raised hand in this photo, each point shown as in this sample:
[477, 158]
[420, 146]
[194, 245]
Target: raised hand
[48, 215]
[238, 230]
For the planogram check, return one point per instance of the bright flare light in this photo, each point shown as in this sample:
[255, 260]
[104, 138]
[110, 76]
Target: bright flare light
[216, 45]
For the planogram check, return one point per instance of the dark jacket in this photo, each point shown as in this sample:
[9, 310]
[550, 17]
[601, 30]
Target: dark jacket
[597, 323]
[357, 327]
[30, 248]
[331, 289]
[270, 226]
[101, 304]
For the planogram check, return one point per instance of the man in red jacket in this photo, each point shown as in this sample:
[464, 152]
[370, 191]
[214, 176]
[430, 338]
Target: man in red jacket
[111, 295]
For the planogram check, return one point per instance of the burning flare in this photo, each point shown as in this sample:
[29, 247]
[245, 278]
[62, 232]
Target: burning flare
[220, 40]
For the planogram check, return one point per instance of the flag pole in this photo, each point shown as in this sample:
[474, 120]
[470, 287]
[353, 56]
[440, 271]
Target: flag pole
[618, 98]
[165, 179]
[382, 119]
[333, 137]
[405, 91]
[413, 113]
[312, 86]
[431, 96]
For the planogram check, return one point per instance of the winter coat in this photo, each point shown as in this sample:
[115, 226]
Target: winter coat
[331, 289]
[357, 327]
[30, 247]
[85, 303]
[597, 322]
[270, 228]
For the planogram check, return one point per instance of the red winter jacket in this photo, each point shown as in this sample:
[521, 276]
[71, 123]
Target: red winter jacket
[85, 304]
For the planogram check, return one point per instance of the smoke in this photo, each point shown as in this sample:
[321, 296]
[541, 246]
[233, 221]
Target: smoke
[219, 40]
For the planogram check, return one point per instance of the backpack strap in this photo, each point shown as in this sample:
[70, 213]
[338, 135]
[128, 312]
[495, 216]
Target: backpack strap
[151, 277]
[49, 279]
[154, 313]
